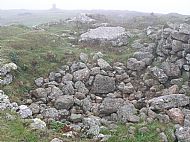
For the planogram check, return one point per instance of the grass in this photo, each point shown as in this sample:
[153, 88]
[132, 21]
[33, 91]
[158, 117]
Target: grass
[121, 133]
[15, 131]
[39, 52]
[18, 130]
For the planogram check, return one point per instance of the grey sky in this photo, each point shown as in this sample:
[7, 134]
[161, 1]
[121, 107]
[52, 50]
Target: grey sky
[157, 6]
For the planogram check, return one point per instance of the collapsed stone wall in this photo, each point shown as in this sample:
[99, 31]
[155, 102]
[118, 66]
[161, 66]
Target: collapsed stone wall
[152, 86]
[91, 95]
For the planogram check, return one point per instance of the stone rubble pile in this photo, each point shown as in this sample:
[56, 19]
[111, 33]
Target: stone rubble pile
[89, 97]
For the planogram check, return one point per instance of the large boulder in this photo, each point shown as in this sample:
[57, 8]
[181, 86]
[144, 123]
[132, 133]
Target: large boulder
[116, 36]
[169, 101]
[103, 84]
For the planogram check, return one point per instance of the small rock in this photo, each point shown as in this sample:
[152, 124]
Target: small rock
[24, 111]
[83, 57]
[76, 118]
[64, 102]
[39, 81]
[56, 140]
[103, 64]
[176, 115]
[37, 124]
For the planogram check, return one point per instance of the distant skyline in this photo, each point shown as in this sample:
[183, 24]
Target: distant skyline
[156, 6]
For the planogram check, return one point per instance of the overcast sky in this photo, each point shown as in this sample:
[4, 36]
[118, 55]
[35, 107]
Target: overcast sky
[157, 6]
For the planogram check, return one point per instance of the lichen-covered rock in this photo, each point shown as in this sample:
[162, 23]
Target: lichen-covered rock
[56, 140]
[180, 36]
[24, 111]
[183, 134]
[83, 57]
[39, 81]
[7, 68]
[68, 88]
[37, 124]
[50, 113]
[103, 64]
[169, 101]
[171, 69]
[80, 86]
[135, 65]
[116, 36]
[176, 115]
[40, 93]
[64, 102]
[159, 74]
[93, 125]
[76, 118]
[110, 105]
[127, 113]
[55, 92]
[103, 84]
[77, 66]
[81, 75]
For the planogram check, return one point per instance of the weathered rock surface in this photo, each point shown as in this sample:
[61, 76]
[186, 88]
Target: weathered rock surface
[103, 84]
[64, 102]
[135, 65]
[183, 134]
[116, 36]
[169, 101]
[176, 115]
[110, 105]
